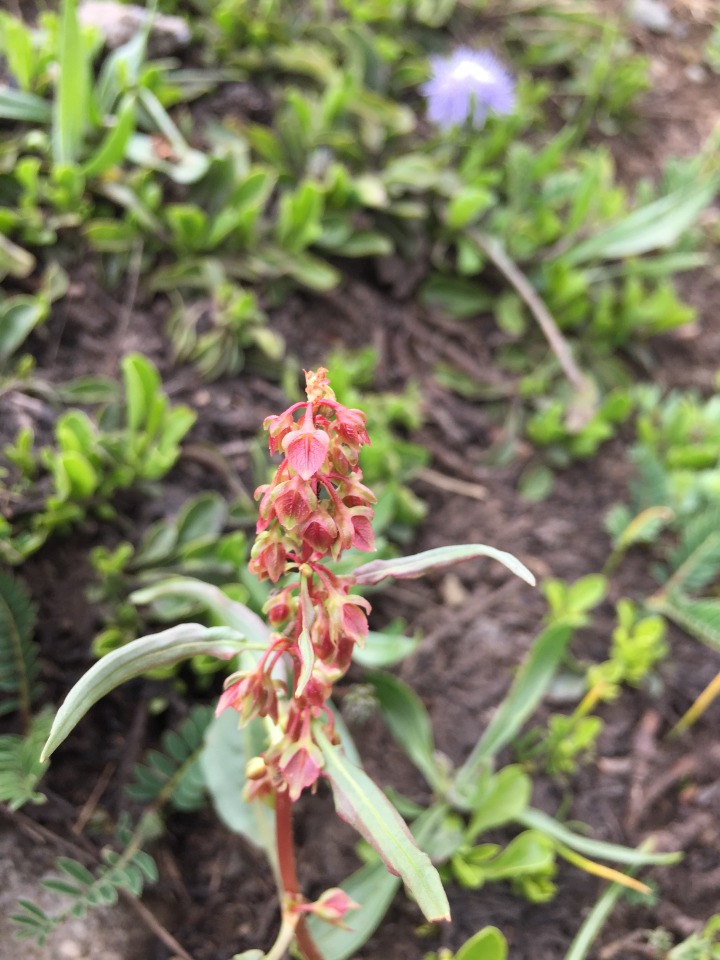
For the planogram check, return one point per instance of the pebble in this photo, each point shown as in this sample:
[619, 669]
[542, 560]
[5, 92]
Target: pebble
[651, 14]
[119, 22]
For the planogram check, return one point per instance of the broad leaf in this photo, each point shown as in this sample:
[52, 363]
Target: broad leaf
[506, 795]
[487, 944]
[419, 564]
[384, 650]
[362, 804]
[132, 660]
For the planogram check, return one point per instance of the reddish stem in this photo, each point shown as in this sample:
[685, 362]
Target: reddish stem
[288, 871]
[285, 844]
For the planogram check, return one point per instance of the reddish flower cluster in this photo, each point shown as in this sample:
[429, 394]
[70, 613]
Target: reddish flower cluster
[314, 508]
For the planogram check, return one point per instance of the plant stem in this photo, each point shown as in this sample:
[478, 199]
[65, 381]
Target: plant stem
[284, 842]
[288, 872]
[558, 344]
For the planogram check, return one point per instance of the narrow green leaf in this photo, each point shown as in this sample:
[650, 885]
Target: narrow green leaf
[528, 689]
[594, 921]
[111, 151]
[230, 612]
[657, 225]
[408, 722]
[132, 660]
[73, 88]
[537, 820]
[361, 803]
[23, 106]
[419, 564]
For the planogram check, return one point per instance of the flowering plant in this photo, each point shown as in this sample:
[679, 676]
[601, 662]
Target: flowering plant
[315, 508]
[467, 85]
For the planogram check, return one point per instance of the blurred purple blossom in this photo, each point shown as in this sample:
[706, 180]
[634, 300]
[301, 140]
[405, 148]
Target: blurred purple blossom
[468, 84]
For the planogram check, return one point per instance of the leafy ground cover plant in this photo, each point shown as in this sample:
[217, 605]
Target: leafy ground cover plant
[316, 507]
[340, 166]
[134, 441]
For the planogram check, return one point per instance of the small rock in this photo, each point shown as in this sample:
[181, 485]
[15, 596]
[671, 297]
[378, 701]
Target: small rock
[118, 23]
[651, 14]
[70, 950]
[695, 73]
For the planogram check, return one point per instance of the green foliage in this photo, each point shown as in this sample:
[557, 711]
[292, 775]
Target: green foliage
[20, 767]
[191, 544]
[135, 441]
[700, 946]
[486, 944]
[638, 644]
[129, 870]
[174, 775]
[570, 603]
[19, 672]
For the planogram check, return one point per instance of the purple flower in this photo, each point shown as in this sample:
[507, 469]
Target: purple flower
[468, 83]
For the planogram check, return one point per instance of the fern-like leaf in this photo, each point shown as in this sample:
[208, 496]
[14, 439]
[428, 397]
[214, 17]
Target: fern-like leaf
[651, 489]
[129, 870]
[174, 775]
[701, 618]
[20, 767]
[18, 653]
[696, 561]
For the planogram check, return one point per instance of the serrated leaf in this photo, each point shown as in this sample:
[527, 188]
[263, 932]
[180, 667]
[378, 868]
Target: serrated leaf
[420, 564]
[18, 652]
[701, 618]
[361, 803]
[134, 659]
